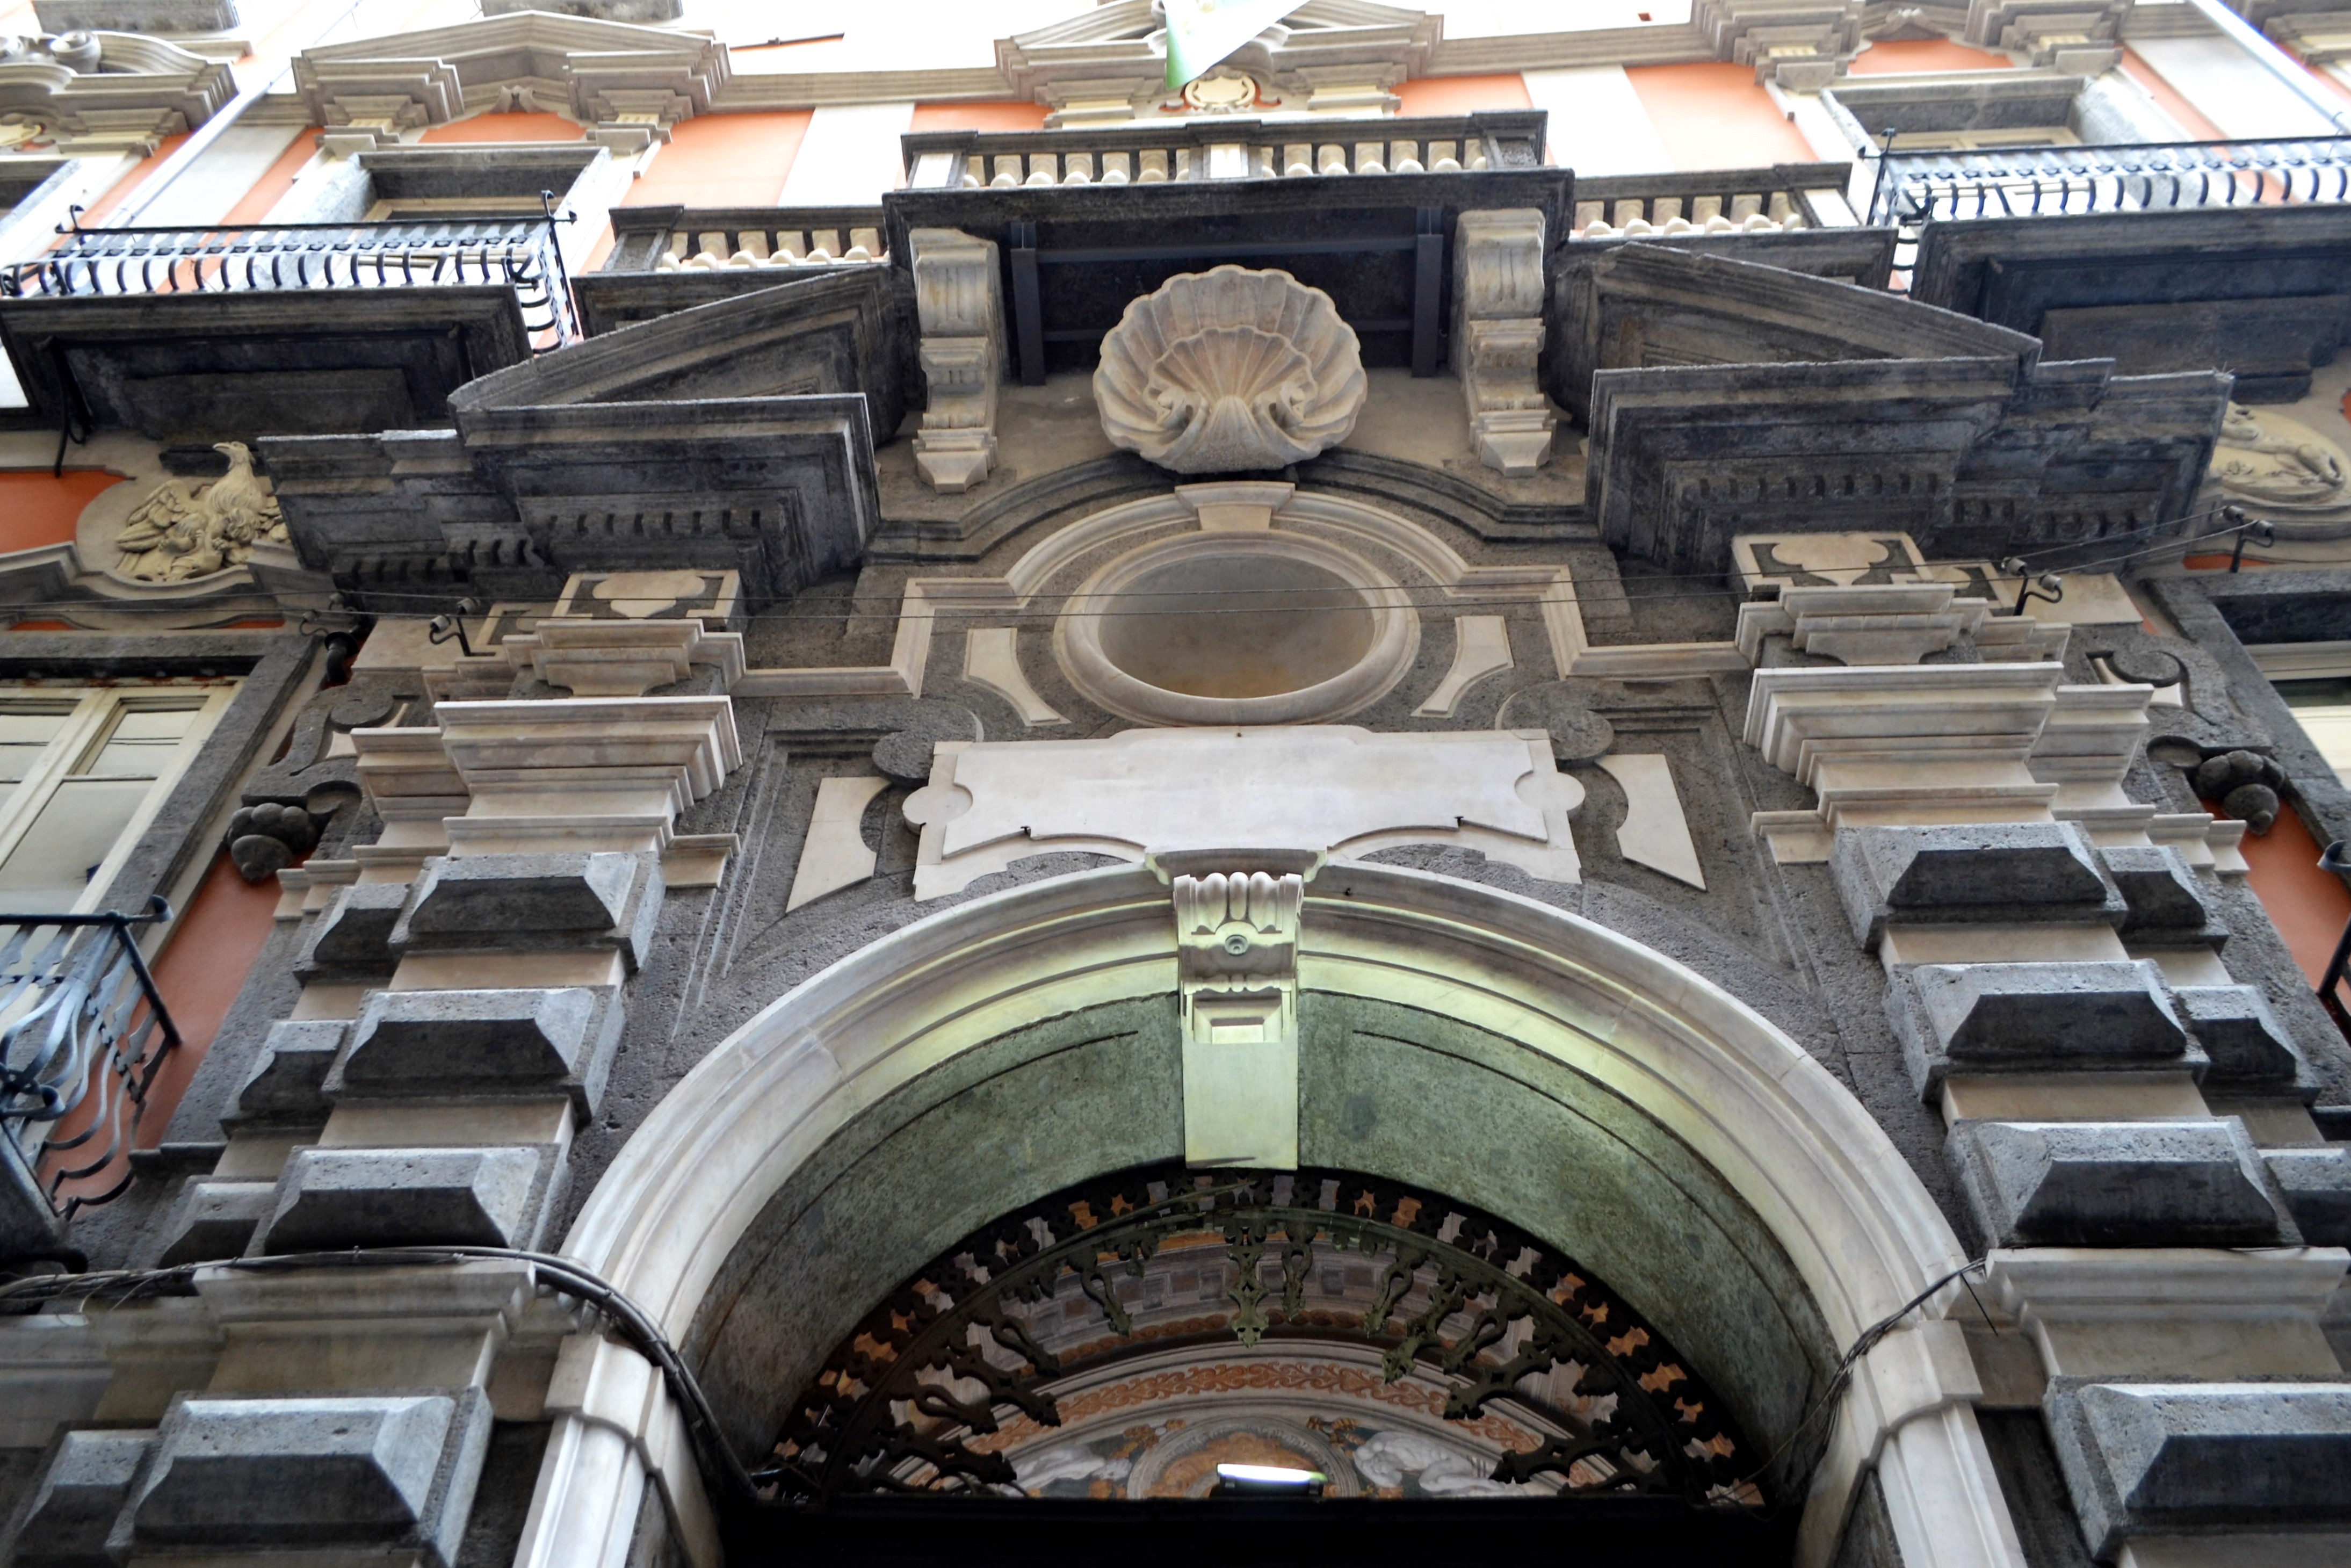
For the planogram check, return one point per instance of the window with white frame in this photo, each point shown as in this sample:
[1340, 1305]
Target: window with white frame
[83, 770]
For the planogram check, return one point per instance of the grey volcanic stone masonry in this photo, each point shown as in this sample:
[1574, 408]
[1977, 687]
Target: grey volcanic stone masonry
[89, 1480]
[2164, 905]
[2247, 1043]
[2144, 1458]
[1994, 874]
[216, 1219]
[2035, 1018]
[509, 902]
[285, 1082]
[411, 1043]
[239, 1475]
[390, 1198]
[353, 934]
[2316, 1185]
[2115, 1184]
[136, 15]
[499, 894]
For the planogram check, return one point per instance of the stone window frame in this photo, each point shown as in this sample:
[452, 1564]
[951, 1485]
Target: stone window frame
[92, 713]
[489, 173]
[2098, 111]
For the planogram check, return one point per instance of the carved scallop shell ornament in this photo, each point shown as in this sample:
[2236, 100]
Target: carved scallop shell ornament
[1229, 369]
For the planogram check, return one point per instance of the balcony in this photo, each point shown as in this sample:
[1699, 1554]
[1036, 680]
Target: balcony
[1911, 188]
[518, 254]
[667, 259]
[1220, 147]
[83, 1032]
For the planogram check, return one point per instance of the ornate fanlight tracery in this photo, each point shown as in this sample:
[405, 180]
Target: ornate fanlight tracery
[941, 1385]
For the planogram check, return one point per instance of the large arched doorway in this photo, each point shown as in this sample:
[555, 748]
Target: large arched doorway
[1536, 1072]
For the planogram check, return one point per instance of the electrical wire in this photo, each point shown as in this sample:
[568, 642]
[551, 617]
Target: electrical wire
[1832, 1397]
[721, 1470]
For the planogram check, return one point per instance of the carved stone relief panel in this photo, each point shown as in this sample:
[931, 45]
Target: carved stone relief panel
[185, 530]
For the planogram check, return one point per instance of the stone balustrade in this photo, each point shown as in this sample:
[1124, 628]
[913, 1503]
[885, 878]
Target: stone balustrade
[671, 239]
[1224, 148]
[1782, 198]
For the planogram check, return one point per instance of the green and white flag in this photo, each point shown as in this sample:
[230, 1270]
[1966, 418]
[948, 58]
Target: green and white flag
[1201, 33]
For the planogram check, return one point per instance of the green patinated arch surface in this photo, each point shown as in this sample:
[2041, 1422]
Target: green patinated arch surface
[1390, 1090]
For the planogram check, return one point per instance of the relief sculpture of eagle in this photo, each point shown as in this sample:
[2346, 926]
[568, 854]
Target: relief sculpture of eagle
[187, 531]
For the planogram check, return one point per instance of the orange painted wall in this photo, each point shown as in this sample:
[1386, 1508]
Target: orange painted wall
[1925, 55]
[2306, 905]
[2167, 99]
[1463, 95]
[200, 971]
[203, 965]
[38, 510]
[131, 181]
[1717, 117]
[723, 160]
[1005, 116]
[271, 188]
[507, 128]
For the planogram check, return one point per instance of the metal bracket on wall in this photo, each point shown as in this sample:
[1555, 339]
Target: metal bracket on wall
[1428, 291]
[1028, 311]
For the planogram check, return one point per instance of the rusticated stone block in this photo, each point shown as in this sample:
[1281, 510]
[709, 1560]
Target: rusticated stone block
[498, 896]
[287, 1083]
[2247, 1043]
[2166, 1458]
[239, 1475]
[387, 1197]
[2164, 904]
[216, 1219]
[2115, 1184]
[409, 1042]
[1991, 873]
[356, 930]
[2316, 1185]
[90, 1477]
[2035, 1018]
[534, 901]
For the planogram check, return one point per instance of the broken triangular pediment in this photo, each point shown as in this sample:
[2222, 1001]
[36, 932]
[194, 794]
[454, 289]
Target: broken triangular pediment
[1642, 306]
[734, 437]
[1122, 44]
[130, 94]
[844, 332]
[593, 68]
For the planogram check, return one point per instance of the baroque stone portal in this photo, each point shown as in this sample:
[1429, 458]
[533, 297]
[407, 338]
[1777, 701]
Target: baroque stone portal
[1229, 369]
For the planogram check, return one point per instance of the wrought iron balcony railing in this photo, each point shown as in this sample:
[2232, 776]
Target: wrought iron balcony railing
[1912, 188]
[520, 254]
[83, 1032]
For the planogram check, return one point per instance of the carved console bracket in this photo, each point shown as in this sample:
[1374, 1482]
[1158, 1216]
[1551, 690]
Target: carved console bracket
[1236, 985]
[1498, 335]
[956, 302]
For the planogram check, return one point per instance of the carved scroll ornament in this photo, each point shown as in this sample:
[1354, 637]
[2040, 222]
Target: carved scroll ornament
[1229, 369]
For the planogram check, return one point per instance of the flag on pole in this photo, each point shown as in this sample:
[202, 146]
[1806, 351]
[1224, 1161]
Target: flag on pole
[1203, 33]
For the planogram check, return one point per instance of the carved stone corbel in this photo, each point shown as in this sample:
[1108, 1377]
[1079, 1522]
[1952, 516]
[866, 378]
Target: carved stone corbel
[956, 303]
[1498, 335]
[1237, 968]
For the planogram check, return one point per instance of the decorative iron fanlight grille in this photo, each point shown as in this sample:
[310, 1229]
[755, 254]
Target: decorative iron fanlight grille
[910, 1401]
